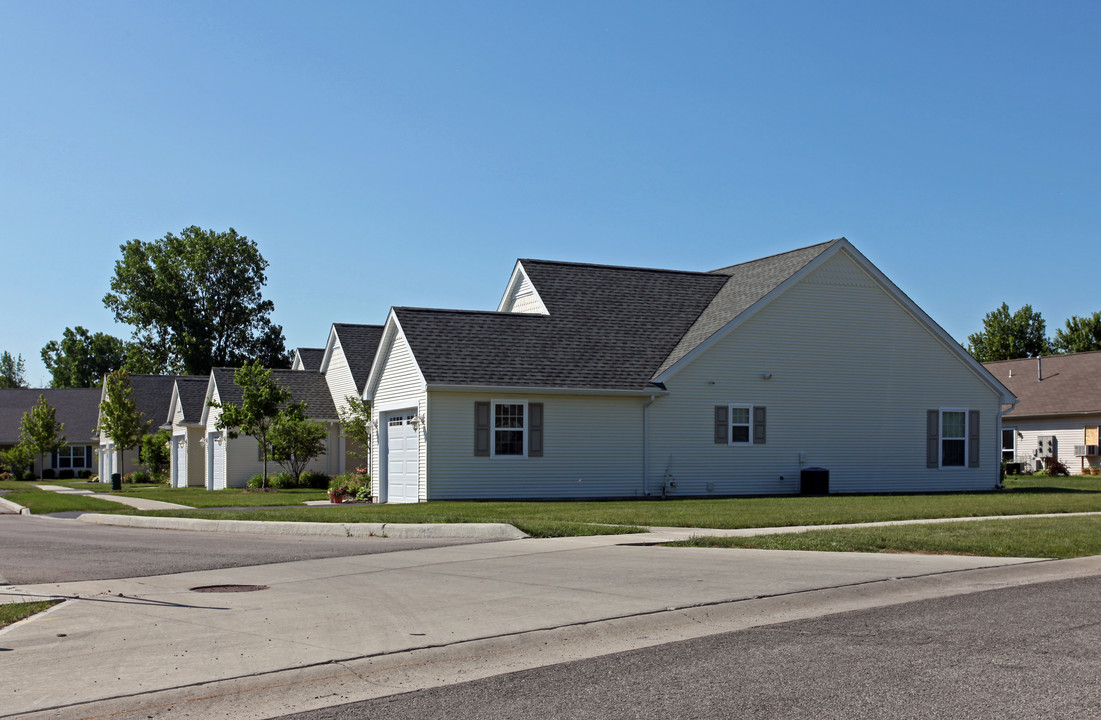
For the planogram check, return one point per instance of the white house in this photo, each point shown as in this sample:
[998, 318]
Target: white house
[1059, 410]
[592, 381]
[230, 462]
[346, 362]
[185, 414]
[151, 395]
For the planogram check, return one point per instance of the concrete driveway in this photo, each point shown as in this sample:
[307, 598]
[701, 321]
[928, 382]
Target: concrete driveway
[333, 630]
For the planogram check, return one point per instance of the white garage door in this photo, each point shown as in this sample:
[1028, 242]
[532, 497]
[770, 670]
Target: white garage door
[402, 455]
[217, 453]
[175, 461]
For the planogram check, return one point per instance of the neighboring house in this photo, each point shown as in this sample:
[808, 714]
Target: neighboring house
[151, 394]
[185, 415]
[76, 408]
[592, 381]
[230, 462]
[1058, 411]
[308, 359]
[346, 363]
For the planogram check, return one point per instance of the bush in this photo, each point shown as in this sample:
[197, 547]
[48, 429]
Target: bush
[28, 476]
[65, 474]
[314, 480]
[90, 476]
[84, 474]
[5, 476]
[48, 474]
[256, 481]
[283, 481]
[138, 476]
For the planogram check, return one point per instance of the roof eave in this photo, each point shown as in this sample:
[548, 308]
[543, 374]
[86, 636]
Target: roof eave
[538, 390]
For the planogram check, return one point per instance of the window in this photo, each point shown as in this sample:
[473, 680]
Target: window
[739, 425]
[1009, 444]
[508, 428]
[73, 457]
[952, 439]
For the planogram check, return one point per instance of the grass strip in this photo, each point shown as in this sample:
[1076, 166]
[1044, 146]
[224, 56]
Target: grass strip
[43, 502]
[14, 612]
[1068, 537]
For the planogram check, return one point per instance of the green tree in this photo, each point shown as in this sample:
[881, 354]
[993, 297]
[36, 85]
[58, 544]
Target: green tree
[1081, 334]
[355, 424]
[195, 300]
[1007, 336]
[153, 453]
[263, 401]
[119, 416]
[11, 371]
[81, 359]
[41, 431]
[295, 442]
[17, 459]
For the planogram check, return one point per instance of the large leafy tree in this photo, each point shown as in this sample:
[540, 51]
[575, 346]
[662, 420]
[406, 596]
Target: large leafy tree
[295, 441]
[41, 431]
[1007, 336]
[81, 359]
[119, 416]
[195, 299]
[263, 402]
[12, 370]
[1080, 334]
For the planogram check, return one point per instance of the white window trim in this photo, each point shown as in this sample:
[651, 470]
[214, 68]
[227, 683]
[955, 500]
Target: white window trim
[493, 429]
[730, 424]
[71, 452]
[966, 438]
[1002, 448]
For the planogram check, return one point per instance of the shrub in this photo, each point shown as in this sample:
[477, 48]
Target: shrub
[256, 481]
[86, 474]
[48, 474]
[138, 476]
[313, 479]
[283, 481]
[5, 476]
[28, 475]
[65, 474]
[90, 476]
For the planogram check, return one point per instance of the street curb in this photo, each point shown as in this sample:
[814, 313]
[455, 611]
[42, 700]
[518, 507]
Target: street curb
[486, 531]
[14, 507]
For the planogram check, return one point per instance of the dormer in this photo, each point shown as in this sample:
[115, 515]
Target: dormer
[521, 295]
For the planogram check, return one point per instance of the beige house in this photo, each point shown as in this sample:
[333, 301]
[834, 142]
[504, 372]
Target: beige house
[594, 381]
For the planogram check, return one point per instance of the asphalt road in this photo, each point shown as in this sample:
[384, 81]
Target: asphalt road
[44, 549]
[1024, 652]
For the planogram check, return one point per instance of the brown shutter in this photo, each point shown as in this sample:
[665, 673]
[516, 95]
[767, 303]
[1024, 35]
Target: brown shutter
[722, 431]
[932, 438]
[758, 425]
[88, 456]
[973, 439]
[481, 429]
[535, 429]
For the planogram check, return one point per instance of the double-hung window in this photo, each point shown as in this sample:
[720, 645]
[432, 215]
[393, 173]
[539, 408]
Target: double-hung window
[508, 428]
[737, 424]
[71, 457]
[952, 438]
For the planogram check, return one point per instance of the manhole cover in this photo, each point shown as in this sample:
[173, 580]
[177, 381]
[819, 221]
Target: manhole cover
[229, 588]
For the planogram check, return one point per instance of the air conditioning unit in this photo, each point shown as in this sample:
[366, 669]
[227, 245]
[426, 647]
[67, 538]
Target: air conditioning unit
[1086, 451]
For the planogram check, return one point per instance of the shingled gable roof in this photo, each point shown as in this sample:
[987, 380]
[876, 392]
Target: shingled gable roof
[190, 394]
[359, 343]
[310, 358]
[152, 394]
[77, 408]
[305, 385]
[1071, 384]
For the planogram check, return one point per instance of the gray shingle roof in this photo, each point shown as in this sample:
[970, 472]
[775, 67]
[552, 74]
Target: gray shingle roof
[77, 408]
[310, 357]
[305, 385]
[359, 343]
[192, 394]
[608, 327]
[1071, 384]
[152, 394]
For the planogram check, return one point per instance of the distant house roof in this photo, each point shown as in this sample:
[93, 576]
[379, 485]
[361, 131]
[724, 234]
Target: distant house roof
[309, 358]
[191, 391]
[304, 385]
[359, 344]
[152, 395]
[77, 408]
[1052, 385]
[606, 327]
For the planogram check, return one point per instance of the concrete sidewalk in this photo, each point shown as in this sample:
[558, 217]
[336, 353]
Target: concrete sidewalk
[134, 502]
[342, 629]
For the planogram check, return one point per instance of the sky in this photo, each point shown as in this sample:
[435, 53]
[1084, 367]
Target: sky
[407, 153]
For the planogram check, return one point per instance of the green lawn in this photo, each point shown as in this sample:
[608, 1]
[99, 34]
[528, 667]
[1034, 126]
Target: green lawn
[42, 502]
[1026, 537]
[14, 612]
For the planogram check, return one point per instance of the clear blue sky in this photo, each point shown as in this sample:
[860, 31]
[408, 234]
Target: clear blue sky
[406, 153]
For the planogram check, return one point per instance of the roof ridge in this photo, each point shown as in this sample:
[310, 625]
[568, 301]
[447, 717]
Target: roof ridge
[1053, 355]
[719, 271]
[496, 313]
[354, 325]
[615, 267]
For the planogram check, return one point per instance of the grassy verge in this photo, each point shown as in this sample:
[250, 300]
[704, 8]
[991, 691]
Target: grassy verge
[14, 612]
[42, 502]
[1026, 537]
[231, 497]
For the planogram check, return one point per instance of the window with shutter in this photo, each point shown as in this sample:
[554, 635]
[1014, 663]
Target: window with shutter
[952, 438]
[739, 424]
[508, 429]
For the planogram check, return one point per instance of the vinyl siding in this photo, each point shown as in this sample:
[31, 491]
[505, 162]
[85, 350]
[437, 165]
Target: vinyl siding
[524, 299]
[338, 376]
[853, 374]
[592, 447]
[1068, 432]
[400, 386]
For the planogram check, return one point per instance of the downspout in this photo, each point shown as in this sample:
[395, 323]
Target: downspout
[646, 446]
